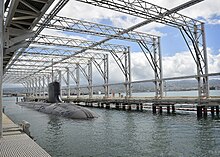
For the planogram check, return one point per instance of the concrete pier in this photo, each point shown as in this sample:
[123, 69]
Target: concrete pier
[16, 143]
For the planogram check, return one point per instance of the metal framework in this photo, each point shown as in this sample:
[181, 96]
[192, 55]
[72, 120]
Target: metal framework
[148, 43]
[191, 29]
[32, 66]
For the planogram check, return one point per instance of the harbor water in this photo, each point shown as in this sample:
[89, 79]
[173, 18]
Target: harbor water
[121, 133]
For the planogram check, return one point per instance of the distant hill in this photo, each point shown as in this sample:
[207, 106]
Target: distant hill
[142, 87]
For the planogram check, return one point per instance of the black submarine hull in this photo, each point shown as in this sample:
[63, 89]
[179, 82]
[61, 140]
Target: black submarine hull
[68, 110]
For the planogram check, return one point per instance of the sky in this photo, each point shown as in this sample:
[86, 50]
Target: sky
[177, 60]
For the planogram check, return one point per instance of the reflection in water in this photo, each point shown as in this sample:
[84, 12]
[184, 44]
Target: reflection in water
[207, 137]
[160, 136]
[120, 133]
[54, 135]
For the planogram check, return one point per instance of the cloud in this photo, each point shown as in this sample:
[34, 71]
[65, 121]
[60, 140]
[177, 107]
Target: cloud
[180, 64]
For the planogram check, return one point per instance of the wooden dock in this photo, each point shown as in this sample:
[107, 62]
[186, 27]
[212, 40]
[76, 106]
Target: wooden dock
[16, 143]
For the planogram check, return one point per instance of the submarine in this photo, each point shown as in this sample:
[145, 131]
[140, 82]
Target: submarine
[55, 106]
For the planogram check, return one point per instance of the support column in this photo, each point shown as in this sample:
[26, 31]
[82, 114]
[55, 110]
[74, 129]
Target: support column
[129, 73]
[123, 106]
[168, 109]
[48, 82]
[137, 107]
[158, 71]
[106, 75]
[107, 106]
[213, 111]
[102, 105]
[68, 82]
[36, 87]
[199, 111]
[154, 108]
[160, 109]
[205, 78]
[129, 107]
[29, 87]
[141, 106]
[43, 86]
[77, 80]
[60, 81]
[205, 112]
[1, 61]
[90, 78]
[173, 109]
[39, 82]
[217, 111]
[117, 106]
[161, 86]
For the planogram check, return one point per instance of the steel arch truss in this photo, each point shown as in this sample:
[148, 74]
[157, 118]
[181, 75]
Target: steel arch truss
[190, 28]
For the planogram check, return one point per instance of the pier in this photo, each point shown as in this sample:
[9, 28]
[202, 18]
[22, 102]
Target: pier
[138, 103]
[16, 143]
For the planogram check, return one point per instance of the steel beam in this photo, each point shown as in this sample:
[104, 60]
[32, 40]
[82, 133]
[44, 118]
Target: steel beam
[1, 62]
[91, 28]
[151, 13]
[76, 43]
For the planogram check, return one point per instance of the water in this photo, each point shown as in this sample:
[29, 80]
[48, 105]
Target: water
[120, 133]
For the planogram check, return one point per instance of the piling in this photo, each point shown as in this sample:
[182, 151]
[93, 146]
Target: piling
[129, 107]
[213, 111]
[107, 106]
[173, 108]
[168, 109]
[117, 106]
[102, 105]
[137, 107]
[141, 106]
[160, 109]
[217, 111]
[199, 111]
[124, 106]
[205, 112]
[154, 108]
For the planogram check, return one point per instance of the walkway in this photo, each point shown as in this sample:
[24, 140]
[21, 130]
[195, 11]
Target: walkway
[16, 143]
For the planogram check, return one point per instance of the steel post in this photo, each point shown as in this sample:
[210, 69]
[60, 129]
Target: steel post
[1, 61]
[197, 64]
[106, 75]
[68, 82]
[36, 87]
[129, 73]
[161, 86]
[60, 81]
[39, 83]
[206, 78]
[43, 86]
[77, 80]
[90, 78]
